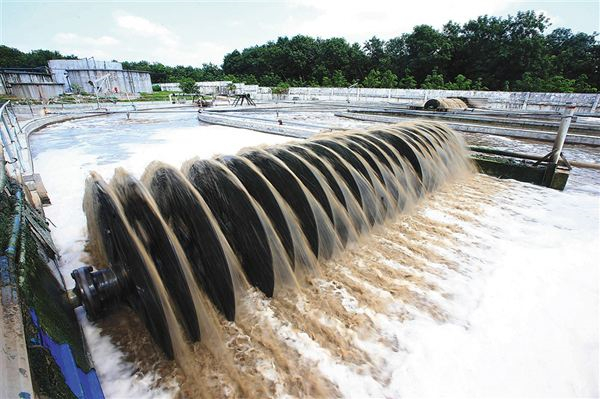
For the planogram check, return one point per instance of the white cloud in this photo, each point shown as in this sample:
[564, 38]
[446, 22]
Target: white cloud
[145, 28]
[75, 39]
[134, 38]
[359, 20]
[146, 40]
[72, 43]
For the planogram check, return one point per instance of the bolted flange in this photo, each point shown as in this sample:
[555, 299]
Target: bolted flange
[96, 290]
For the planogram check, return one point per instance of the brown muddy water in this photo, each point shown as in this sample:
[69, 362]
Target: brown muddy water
[434, 300]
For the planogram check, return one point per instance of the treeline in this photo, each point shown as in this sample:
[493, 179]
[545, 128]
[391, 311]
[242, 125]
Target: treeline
[36, 59]
[516, 53]
[489, 53]
[513, 53]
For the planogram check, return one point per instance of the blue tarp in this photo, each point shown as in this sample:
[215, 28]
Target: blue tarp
[83, 385]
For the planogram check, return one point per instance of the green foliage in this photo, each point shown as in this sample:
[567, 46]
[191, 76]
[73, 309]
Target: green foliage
[13, 58]
[462, 83]
[248, 79]
[558, 84]
[488, 52]
[408, 82]
[154, 96]
[156, 88]
[338, 79]
[269, 80]
[281, 88]
[188, 86]
[373, 79]
[388, 79]
[77, 89]
[434, 81]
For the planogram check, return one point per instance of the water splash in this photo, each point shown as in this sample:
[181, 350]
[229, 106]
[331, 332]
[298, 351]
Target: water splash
[191, 243]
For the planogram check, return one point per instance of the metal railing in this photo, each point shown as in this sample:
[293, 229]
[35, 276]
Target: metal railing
[15, 142]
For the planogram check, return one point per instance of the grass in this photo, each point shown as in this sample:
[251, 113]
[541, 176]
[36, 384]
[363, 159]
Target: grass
[88, 98]
[155, 96]
[164, 96]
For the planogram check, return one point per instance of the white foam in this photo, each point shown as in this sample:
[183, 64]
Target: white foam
[523, 311]
[64, 169]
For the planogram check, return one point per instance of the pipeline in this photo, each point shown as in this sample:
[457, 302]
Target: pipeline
[11, 250]
[18, 380]
[532, 157]
[3, 177]
[180, 245]
[9, 280]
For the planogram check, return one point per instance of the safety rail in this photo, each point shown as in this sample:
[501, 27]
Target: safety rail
[15, 142]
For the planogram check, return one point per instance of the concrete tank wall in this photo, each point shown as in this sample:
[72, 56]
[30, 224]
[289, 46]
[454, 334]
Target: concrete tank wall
[123, 80]
[37, 91]
[25, 77]
[59, 67]
[585, 102]
[26, 84]
[219, 87]
[169, 87]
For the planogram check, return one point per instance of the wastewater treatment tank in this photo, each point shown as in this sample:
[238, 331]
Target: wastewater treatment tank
[176, 244]
[349, 264]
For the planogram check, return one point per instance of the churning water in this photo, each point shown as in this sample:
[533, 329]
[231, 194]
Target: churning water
[376, 294]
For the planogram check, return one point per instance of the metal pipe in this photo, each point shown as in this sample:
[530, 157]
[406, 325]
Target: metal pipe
[22, 253]
[11, 250]
[14, 362]
[563, 129]
[14, 137]
[532, 157]
[2, 169]
[7, 140]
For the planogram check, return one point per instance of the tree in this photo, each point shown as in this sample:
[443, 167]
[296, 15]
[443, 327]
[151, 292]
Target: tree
[554, 84]
[427, 49]
[373, 79]
[338, 79]
[500, 53]
[573, 55]
[397, 54]
[281, 88]
[407, 82]
[388, 79]
[433, 81]
[188, 86]
[374, 49]
[13, 58]
[231, 88]
[582, 85]
[460, 83]
[269, 80]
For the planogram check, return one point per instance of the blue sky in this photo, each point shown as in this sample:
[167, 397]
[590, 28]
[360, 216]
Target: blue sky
[195, 32]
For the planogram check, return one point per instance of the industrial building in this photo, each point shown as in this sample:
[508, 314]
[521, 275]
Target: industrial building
[103, 76]
[29, 83]
[74, 76]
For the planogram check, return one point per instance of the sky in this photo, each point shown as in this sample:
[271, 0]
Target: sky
[197, 32]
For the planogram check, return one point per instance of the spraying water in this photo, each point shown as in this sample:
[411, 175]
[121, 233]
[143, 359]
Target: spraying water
[187, 246]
